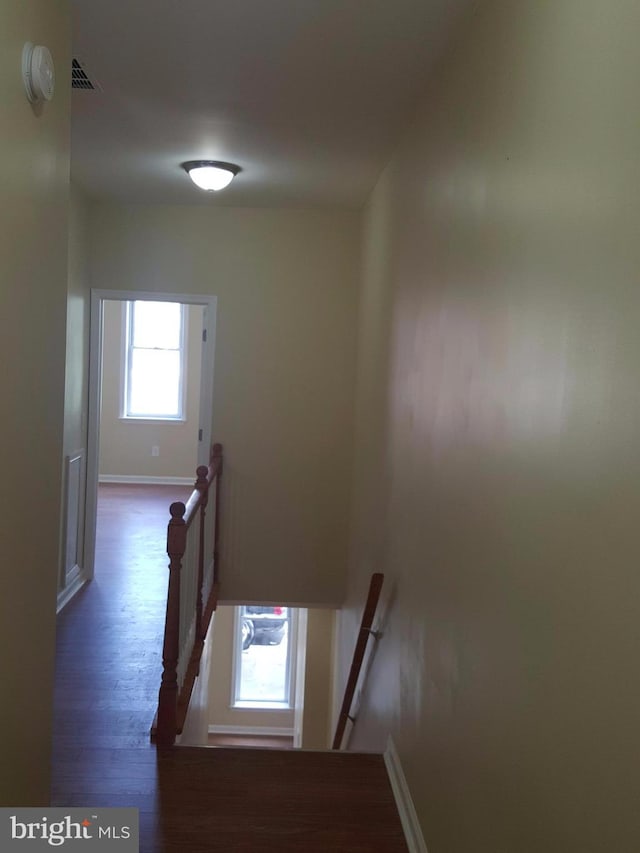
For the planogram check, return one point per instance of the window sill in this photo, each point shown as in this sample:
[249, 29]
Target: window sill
[132, 420]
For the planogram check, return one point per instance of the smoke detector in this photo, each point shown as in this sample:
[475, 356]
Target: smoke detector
[38, 73]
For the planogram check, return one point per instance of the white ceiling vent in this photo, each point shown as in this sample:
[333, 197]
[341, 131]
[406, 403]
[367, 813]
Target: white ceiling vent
[79, 77]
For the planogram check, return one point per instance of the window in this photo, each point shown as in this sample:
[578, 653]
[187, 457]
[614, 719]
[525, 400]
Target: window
[264, 657]
[154, 360]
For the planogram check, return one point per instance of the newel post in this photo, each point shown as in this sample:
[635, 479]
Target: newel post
[168, 699]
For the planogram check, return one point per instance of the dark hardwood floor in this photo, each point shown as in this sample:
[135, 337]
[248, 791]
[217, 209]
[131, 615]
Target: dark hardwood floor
[108, 657]
[108, 663]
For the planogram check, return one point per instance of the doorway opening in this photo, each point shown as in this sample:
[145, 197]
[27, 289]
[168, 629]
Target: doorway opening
[124, 429]
[257, 678]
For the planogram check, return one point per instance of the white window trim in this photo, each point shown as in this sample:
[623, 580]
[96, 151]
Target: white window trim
[125, 369]
[290, 677]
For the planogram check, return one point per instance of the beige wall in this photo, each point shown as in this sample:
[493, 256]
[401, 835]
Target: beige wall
[316, 716]
[498, 418]
[125, 445]
[34, 175]
[286, 285]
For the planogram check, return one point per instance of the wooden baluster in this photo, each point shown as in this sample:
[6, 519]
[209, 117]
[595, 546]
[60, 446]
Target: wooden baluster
[202, 487]
[216, 459]
[168, 697]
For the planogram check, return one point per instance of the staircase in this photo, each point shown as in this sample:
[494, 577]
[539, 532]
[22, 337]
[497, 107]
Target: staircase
[275, 800]
[190, 800]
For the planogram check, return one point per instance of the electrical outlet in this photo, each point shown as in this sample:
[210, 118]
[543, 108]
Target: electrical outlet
[155, 450]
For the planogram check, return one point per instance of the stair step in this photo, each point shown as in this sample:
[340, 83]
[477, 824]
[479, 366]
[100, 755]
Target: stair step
[276, 800]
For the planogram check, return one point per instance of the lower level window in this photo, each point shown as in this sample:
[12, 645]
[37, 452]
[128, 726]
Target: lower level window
[264, 657]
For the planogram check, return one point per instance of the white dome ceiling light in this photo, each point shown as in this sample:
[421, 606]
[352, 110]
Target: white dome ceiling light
[211, 174]
[38, 72]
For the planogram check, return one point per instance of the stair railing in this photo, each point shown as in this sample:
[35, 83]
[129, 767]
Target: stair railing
[193, 549]
[366, 631]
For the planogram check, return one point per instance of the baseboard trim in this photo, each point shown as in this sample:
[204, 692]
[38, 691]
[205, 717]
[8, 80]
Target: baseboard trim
[140, 480]
[402, 795]
[65, 595]
[267, 731]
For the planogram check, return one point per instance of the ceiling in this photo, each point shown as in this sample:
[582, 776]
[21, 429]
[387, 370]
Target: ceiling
[309, 97]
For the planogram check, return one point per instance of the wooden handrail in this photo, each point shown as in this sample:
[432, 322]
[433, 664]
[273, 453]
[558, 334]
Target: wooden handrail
[365, 632]
[185, 627]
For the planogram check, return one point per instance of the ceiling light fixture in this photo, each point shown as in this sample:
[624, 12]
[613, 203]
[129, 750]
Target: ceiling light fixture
[211, 174]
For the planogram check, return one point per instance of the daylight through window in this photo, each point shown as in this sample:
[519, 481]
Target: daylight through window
[265, 647]
[154, 363]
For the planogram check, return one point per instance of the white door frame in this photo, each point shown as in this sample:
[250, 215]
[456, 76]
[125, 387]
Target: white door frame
[98, 297]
